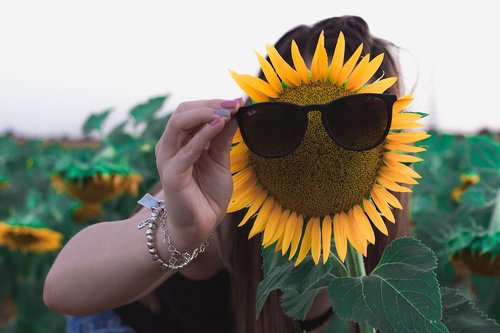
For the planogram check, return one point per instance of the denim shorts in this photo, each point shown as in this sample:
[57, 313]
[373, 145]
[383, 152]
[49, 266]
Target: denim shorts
[105, 322]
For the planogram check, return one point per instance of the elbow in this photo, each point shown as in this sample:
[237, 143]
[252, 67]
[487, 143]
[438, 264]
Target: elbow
[63, 303]
[49, 296]
[53, 298]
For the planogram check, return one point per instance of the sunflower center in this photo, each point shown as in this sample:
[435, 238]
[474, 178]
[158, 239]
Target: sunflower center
[21, 238]
[319, 177]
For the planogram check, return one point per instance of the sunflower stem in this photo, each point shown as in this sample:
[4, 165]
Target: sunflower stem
[339, 264]
[356, 267]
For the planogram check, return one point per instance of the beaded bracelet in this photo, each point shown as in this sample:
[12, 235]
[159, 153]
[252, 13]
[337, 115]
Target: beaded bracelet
[159, 213]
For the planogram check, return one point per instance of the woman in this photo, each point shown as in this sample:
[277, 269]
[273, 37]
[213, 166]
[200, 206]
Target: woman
[106, 266]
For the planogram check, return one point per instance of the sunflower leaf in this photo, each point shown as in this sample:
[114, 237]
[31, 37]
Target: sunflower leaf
[461, 315]
[400, 295]
[95, 121]
[145, 111]
[303, 281]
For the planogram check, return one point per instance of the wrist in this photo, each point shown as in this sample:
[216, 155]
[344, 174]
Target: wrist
[174, 257]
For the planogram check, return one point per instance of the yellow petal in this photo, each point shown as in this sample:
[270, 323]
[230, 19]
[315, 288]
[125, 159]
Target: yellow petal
[386, 196]
[262, 217]
[364, 72]
[242, 177]
[392, 185]
[363, 224]
[258, 200]
[280, 230]
[383, 207]
[397, 176]
[404, 148]
[238, 166]
[283, 69]
[402, 168]
[296, 236]
[378, 86]
[305, 244]
[272, 223]
[375, 217]
[349, 66]
[405, 117]
[326, 237]
[319, 64]
[405, 120]
[353, 234]
[239, 202]
[407, 137]
[401, 157]
[254, 94]
[237, 137]
[299, 63]
[338, 58]
[340, 237]
[402, 103]
[241, 199]
[315, 239]
[278, 245]
[239, 152]
[270, 74]
[259, 85]
[291, 224]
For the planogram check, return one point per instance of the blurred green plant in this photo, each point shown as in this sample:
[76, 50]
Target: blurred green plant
[29, 202]
[456, 211]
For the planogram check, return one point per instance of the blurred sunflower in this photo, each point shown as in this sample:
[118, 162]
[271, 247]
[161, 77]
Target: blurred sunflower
[28, 238]
[4, 182]
[300, 199]
[93, 191]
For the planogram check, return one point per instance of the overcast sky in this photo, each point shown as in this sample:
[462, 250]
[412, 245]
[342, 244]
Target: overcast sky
[62, 60]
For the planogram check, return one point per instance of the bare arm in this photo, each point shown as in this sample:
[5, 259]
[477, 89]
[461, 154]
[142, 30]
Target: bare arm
[108, 265]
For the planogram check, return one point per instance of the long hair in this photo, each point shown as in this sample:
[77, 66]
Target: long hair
[242, 256]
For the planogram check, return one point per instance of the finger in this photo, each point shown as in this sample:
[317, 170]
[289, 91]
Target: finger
[191, 152]
[211, 103]
[181, 127]
[220, 146]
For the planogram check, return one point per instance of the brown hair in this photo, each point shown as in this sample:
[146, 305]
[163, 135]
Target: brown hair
[243, 259]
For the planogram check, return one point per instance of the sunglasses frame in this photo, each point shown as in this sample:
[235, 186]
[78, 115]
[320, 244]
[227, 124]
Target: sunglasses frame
[303, 110]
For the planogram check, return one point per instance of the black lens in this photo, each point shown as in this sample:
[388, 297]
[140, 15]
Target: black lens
[271, 129]
[359, 122]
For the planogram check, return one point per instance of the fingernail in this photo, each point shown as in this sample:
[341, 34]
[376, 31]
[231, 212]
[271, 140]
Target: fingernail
[223, 113]
[215, 121]
[232, 103]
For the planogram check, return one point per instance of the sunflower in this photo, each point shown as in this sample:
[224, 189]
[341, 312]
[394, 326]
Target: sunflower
[93, 191]
[466, 181]
[4, 182]
[29, 238]
[300, 200]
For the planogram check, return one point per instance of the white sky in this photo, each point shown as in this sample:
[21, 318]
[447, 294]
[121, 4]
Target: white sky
[62, 60]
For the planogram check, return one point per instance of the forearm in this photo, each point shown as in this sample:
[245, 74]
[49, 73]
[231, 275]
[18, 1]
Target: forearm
[107, 265]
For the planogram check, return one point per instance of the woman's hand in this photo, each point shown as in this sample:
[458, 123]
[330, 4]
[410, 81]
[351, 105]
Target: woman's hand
[192, 157]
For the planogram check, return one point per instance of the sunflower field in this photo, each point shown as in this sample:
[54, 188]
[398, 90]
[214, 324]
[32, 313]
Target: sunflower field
[51, 189]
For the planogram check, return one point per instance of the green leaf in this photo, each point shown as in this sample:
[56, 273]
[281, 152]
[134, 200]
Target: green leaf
[484, 152]
[304, 280]
[460, 315]
[400, 295]
[145, 111]
[95, 121]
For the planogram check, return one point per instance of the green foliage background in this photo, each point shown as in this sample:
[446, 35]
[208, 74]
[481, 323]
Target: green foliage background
[442, 227]
[28, 164]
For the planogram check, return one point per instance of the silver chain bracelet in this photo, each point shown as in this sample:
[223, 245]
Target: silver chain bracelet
[159, 213]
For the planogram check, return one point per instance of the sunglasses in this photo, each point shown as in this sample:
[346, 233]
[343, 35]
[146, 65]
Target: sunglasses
[356, 122]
